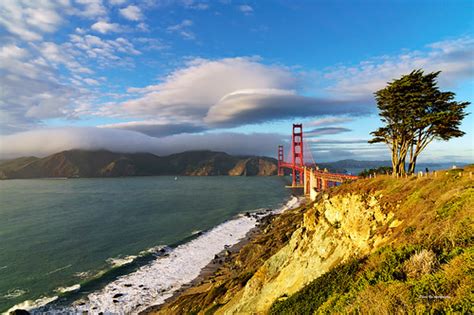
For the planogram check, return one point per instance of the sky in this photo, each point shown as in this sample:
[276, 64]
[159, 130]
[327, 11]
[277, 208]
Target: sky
[166, 76]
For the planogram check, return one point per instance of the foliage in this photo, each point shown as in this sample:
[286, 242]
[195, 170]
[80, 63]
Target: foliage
[379, 170]
[415, 112]
[312, 296]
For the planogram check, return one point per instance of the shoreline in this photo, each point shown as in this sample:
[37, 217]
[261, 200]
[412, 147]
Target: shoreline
[185, 266]
[222, 260]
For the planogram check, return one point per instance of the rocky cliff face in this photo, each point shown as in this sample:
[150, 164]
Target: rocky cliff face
[335, 230]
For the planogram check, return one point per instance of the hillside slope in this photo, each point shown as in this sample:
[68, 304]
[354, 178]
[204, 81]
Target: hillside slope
[80, 163]
[378, 246]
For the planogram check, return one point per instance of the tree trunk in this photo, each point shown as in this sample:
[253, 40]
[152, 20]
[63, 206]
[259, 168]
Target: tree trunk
[412, 165]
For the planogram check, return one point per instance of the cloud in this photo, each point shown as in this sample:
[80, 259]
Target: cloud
[30, 19]
[328, 121]
[226, 93]
[90, 8]
[46, 95]
[132, 13]
[246, 9]
[182, 29]
[256, 106]
[43, 142]
[106, 52]
[105, 27]
[117, 2]
[195, 5]
[452, 57]
[157, 128]
[57, 55]
[326, 131]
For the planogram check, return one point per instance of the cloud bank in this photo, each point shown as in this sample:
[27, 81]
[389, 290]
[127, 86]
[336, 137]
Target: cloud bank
[43, 142]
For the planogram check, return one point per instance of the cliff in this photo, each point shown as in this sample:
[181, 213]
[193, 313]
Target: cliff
[81, 163]
[379, 245]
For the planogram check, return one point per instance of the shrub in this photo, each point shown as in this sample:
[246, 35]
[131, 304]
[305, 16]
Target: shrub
[420, 263]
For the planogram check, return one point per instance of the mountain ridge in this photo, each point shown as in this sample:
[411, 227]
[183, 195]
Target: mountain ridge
[103, 163]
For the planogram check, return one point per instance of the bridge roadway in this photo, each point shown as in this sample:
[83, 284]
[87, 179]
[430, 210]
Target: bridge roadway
[314, 180]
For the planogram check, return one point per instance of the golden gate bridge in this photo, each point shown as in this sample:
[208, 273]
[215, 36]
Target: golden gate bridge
[306, 175]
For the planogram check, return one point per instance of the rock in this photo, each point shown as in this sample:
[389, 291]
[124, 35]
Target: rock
[228, 252]
[20, 312]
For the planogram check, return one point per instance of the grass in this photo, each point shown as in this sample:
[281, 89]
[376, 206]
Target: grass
[428, 265]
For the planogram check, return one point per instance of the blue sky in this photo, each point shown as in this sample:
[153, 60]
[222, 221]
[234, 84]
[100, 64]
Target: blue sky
[165, 76]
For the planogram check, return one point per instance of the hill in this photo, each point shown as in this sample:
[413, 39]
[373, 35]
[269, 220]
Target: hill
[101, 163]
[373, 246]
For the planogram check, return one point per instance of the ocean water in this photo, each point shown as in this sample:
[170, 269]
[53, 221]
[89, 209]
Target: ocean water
[142, 237]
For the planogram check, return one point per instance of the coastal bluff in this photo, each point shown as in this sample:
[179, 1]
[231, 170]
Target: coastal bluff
[381, 245]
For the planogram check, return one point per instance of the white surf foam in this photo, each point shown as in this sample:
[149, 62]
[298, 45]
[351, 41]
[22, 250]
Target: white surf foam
[154, 283]
[68, 289]
[31, 305]
[14, 293]
[120, 261]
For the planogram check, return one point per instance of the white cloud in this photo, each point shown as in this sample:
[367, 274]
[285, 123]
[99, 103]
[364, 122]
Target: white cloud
[195, 5]
[183, 29]
[46, 96]
[180, 26]
[117, 2]
[453, 57]
[143, 27]
[245, 8]
[132, 13]
[57, 55]
[255, 106]
[190, 92]
[328, 121]
[104, 52]
[225, 93]
[158, 128]
[42, 142]
[105, 27]
[30, 19]
[91, 8]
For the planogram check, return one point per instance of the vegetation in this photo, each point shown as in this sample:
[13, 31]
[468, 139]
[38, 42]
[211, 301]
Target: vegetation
[379, 170]
[427, 267]
[102, 163]
[416, 112]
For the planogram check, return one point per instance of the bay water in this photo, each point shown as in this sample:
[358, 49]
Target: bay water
[57, 234]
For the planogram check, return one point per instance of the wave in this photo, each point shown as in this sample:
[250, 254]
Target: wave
[170, 268]
[30, 304]
[14, 293]
[59, 269]
[68, 289]
[117, 262]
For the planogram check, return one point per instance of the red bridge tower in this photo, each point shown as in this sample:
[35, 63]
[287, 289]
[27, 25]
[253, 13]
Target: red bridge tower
[297, 150]
[281, 160]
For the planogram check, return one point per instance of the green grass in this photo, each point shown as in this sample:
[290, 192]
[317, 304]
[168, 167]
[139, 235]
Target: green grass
[437, 217]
